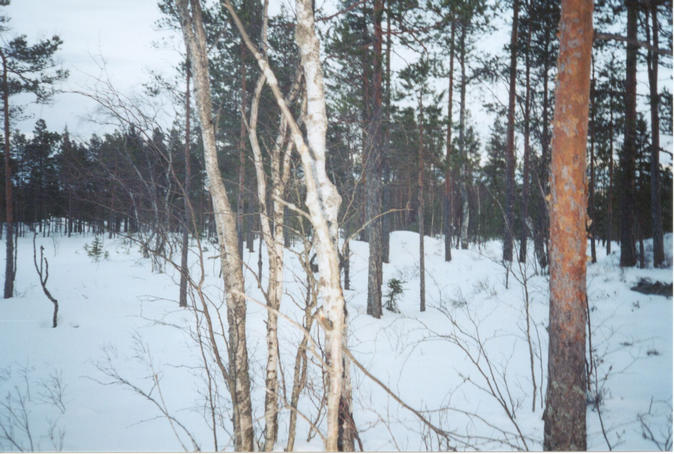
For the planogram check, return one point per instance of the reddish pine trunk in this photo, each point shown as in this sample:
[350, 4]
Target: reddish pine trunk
[564, 427]
[590, 210]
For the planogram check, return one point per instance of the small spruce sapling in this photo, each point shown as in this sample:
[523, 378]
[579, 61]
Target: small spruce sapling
[395, 289]
[96, 251]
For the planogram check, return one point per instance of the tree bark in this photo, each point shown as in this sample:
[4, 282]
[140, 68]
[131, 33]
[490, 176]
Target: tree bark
[627, 159]
[542, 222]
[420, 212]
[273, 236]
[465, 212]
[9, 210]
[184, 274]
[322, 198]
[387, 220]
[323, 202]
[242, 152]
[225, 223]
[564, 416]
[510, 142]
[591, 210]
[527, 151]
[447, 201]
[609, 197]
[373, 205]
[656, 208]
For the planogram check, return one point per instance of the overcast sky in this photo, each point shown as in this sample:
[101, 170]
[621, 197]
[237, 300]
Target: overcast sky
[120, 33]
[123, 35]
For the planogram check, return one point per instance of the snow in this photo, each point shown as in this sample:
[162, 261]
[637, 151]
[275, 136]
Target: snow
[117, 315]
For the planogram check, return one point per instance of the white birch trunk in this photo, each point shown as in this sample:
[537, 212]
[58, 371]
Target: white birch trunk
[322, 198]
[225, 221]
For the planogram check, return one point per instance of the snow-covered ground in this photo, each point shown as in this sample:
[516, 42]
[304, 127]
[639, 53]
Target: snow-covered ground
[466, 363]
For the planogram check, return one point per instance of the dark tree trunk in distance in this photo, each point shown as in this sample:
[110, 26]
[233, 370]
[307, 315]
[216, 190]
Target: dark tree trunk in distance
[387, 220]
[609, 214]
[373, 176]
[184, 275]
[510, 144]
[627, 160]
[420, 215]
[9, 214]
[656, 209]
[447, 201]
[527, 151]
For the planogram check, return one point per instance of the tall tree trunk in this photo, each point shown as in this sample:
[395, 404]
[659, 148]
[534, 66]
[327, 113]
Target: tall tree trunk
[273, 236]
[590, 209]
[251, 224]
[656, 208]
[564, 416]
[184, 275]
[237, 377]
[447, 201]
[420, 212]
[465, 213]
[242, 152]
[627, 159]
[347, 264]
[387, 220]
[541, 224]
[527, 151]
[510, 143]
[322, 201]
[373, 176]
[9, 212]
[609, 196]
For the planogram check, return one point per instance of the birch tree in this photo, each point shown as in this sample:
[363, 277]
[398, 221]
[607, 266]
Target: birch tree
[237, 377]
[25, 69]
[322, 201]
[271, 225]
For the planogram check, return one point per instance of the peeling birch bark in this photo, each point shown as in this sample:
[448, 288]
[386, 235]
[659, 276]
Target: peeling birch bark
[273, 238]
[322, 198]
[225, 221]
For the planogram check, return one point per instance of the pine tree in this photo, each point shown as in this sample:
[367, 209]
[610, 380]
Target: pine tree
[510, 142]
[25, 69]
[628, 255]
[653, 62]
[564, 417]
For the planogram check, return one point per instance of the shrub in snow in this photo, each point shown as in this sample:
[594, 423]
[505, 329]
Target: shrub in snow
[395, 289]
[96, 251]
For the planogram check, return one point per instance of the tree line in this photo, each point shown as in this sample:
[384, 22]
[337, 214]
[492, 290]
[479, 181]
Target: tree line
[377, 149]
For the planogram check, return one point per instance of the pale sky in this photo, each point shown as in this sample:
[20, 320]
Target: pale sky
[120, 32]
[123, 34]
